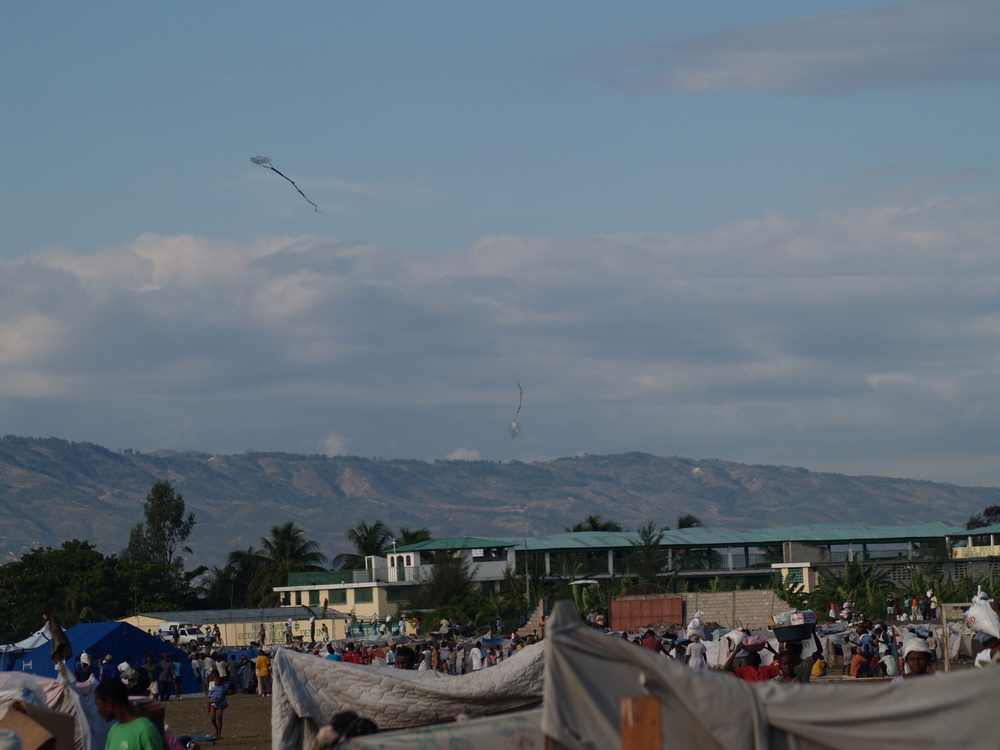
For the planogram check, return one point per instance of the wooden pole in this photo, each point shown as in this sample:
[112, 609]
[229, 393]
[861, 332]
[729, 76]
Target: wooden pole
[641, 726]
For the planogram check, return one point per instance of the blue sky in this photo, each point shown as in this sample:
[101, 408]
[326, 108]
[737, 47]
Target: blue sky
[760, 232]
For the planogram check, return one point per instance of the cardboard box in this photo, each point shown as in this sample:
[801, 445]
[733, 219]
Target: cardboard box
[40, 728]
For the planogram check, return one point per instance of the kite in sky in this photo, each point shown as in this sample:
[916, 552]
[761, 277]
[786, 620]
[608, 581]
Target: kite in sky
[265, 161]
[513, 428]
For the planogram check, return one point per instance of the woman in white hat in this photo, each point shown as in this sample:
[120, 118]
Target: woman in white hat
[916, 657]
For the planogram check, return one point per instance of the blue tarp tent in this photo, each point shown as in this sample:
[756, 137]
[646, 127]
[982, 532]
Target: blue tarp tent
[116, 638]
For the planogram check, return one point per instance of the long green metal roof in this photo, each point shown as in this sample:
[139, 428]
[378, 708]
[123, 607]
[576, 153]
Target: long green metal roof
[710, 536]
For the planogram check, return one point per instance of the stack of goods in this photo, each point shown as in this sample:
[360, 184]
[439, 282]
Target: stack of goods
[754, 642]
[794, 625]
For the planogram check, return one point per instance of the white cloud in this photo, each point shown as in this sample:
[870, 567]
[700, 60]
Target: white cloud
[876, 48]
[335, 445]
[851, 334]
[464, 454]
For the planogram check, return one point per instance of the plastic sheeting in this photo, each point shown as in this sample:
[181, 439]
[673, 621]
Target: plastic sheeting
[518, 731]
[586, 677]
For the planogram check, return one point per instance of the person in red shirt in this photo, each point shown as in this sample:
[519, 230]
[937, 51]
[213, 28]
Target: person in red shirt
[651, 642]
[754, 671]
[351, 656]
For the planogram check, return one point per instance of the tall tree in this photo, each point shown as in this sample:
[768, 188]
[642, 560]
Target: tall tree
[286, 551]
[451, 580]
[230, 585]
[594, 523]
[687, 521]
[367, 540]
[165, 530]
[408, 536]
[75, 582]
[647, 557]
[691, 559]
[987, 517]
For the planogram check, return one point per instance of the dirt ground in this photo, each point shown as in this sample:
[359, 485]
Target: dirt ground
[246, 723]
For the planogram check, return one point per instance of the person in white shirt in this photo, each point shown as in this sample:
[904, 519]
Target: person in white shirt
[207, 667]
[476, 656]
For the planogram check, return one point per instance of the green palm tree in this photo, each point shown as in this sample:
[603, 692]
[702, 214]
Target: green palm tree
[594, 523]
[687, 521]
[231, 585]
[690, 559]
[286, 551]
[647, 558]
[408, 536]
[367, 541]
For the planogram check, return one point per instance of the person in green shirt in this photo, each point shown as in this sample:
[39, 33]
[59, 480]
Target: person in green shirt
[129, 732]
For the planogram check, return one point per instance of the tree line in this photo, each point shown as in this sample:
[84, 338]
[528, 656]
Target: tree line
[77, 583]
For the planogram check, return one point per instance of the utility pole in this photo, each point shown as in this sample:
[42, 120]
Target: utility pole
[527, 578]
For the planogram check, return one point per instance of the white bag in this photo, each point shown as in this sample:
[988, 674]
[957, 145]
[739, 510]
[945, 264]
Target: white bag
[983, 617]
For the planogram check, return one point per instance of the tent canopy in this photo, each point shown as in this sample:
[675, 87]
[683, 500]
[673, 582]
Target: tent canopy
[121, 640]
[9, 652]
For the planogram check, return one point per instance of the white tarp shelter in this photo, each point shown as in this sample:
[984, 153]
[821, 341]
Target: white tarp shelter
[9, 652]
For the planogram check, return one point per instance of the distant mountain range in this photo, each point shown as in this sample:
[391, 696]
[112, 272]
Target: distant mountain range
[52, 490]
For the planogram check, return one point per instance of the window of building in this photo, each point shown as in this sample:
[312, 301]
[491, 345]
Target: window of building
[314, 597]
[337, 596]
[488, 554]
[363, 596]
[795, 576]
[396, 594]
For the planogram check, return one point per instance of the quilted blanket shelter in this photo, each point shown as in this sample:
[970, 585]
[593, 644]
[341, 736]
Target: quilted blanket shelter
[308, 690]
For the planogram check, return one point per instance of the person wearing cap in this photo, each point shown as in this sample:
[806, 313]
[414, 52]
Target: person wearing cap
[107, 668]
[84, 671]
[916, 657]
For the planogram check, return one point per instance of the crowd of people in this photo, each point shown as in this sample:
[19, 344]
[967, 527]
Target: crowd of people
[439, 652]
[871, 649]
[887, 649]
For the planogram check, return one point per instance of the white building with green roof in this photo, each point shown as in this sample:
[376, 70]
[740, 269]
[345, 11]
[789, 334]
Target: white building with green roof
[796, 553]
